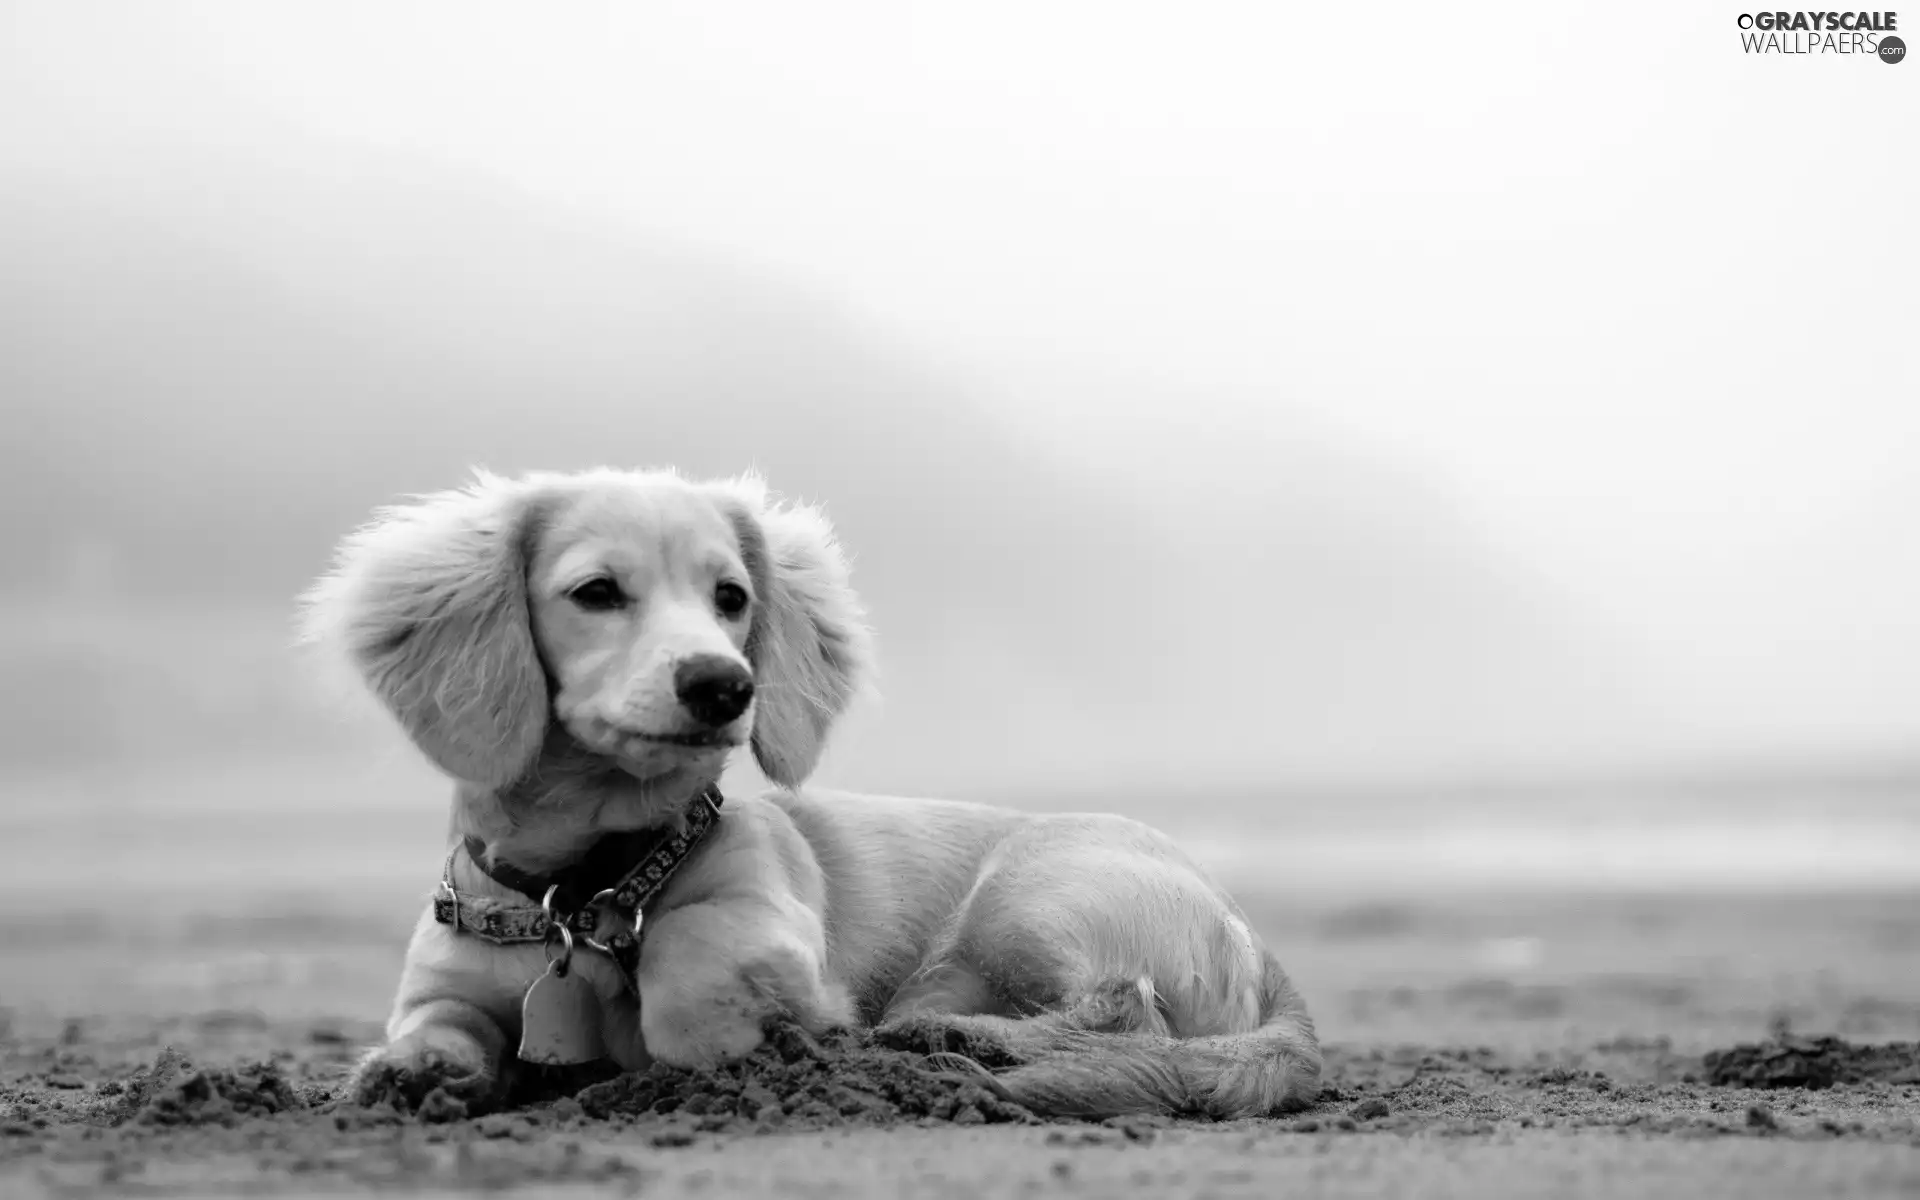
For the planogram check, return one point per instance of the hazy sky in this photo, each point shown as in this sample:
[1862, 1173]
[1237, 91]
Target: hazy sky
[1642, 305]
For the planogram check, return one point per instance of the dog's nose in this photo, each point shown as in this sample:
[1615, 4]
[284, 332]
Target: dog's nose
[713, 689]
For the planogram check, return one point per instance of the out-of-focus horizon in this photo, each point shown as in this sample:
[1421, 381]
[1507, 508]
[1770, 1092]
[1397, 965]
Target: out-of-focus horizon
[1247, 401]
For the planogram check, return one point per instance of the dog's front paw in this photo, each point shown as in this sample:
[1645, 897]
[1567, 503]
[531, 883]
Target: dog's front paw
[719, 1011]
[439, 1075]
[949, 1033]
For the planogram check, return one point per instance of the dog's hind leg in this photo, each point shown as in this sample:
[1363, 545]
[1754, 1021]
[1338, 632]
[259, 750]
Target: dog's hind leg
[984, 1033]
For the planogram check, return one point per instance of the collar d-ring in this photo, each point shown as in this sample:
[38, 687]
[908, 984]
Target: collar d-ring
[566, 935]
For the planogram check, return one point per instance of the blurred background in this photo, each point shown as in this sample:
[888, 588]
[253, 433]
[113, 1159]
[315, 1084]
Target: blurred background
[1468, 447]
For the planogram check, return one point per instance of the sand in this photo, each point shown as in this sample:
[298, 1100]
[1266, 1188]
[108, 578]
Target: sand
[235, 1101]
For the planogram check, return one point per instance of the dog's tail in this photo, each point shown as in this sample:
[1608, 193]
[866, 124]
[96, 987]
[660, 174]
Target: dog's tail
[1113, 1056]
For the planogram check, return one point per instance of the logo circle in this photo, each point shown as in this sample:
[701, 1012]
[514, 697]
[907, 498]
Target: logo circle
[1892, 49]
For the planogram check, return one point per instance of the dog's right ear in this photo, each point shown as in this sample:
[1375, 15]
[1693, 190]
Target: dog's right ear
[809, 644]
[429, 605]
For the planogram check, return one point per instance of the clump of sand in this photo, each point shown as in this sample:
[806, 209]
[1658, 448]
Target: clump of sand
[1787, 1061]
[176, 1094]
[798, 1081]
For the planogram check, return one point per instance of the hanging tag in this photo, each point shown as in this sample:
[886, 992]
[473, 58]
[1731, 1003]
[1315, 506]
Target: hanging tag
[560, 1019]
[560, 1015]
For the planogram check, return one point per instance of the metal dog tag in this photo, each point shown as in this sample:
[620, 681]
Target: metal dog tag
[560, 1019]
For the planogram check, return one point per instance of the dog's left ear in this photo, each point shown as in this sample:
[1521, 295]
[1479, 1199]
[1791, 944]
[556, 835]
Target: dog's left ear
[809, 643]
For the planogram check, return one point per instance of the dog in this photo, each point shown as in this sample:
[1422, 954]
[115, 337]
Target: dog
[581, 653]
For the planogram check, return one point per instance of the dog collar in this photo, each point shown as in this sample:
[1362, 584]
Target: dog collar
[639, 860]
[616, 880]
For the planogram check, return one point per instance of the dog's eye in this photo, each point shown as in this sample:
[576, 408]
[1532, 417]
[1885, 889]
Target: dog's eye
[598, 595]
[730, 599]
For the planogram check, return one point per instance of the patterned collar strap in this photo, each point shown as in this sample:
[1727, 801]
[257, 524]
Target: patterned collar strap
[588, 910]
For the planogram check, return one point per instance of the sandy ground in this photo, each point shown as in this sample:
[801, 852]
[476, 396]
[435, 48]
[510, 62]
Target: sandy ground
[1477, 1047]
[181, 1034]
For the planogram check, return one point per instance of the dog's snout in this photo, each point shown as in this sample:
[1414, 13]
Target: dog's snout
[713, 689]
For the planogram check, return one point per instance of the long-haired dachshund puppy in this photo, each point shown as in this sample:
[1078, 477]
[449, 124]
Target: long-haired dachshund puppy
[581, 653]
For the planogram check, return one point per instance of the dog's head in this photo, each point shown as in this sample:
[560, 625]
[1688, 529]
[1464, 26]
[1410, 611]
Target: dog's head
[657, 622]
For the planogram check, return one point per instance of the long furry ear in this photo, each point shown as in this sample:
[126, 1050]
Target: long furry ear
[429, 605]
[809, 643]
